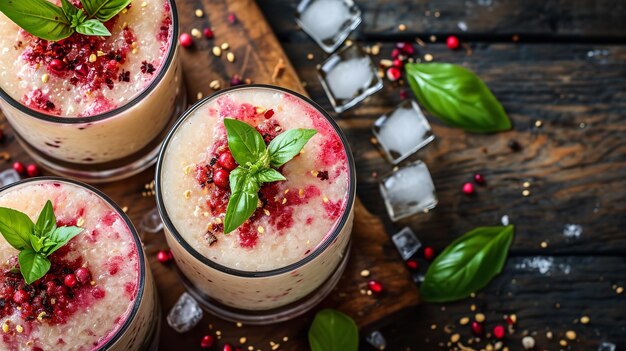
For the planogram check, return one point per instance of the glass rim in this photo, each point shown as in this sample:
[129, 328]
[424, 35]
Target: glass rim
[329, 239]
[138, 244]
[116, 111]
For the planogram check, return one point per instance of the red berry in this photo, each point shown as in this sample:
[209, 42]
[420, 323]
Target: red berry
[393, 74]
[452, 42]
[220, 178]
[56, 65]
[227, 347]
[375, 286]
[479, 179]
[19, 167]
[498, 331]
[20, 297]
[232, 19]
[32, 170]
[235, 80]
[395, 53]
[164, 256]
[477, 328]
[398, 63]
[208, 33]
[406, 48]
[207, 341]
[468, 189]
[412, 264]
[70, 280]
[83, 275]
[227, 161]
[185, 40]
[429, 253]
[268, 114]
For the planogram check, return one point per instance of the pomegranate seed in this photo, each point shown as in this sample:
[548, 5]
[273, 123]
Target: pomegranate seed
[227, 347]
[232, 19]
[19, 167]
[220, 178]
[375, 286]
[406, 48]
[412, 264]
[498, 331]
[227, 161]
[83, 275]
[479, 179]
[20, 297]
[477, 328]
[395, 53]
[185, 40]
[207, 341]
[393, 74]
[397, 63]
[468, 189]
[56, 65]
[268, 114]
[70, 280]
[208, 33]
[429, 253]
[32, 170]
[404, 94]
[452, 42]
[164, 256]
[235, 80]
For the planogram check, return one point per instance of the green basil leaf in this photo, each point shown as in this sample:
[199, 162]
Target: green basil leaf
[467, 264]
[47, 221]
[40, 18]
[245, 143]
[33, 266]
[333, 331]
[269, 175]
[93, 27]
[457, 96]
[60, 237]
[104, 10]
[288, 144]
[242, 203]
[70, 12]
[37, 243]
[16, 227]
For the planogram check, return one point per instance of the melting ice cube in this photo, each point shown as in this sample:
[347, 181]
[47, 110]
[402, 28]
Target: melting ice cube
[406, 242]
[151, 221]
[328, 22]
[408, 191]
[9, 177]
[402, 132]
[377, 340]
[185, 314]
[348, 77]
[606, 346]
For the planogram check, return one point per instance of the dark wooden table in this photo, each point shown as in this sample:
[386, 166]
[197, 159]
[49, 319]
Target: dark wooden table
[559, 62]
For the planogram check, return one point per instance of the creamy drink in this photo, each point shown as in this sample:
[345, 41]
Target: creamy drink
[94, 107]
[99, 292]
[298, 234]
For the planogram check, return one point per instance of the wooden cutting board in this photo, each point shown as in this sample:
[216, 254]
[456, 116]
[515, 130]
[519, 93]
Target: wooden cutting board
[257, 54]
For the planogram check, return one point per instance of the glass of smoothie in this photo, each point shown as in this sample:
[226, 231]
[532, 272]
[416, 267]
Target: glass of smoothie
[292, 251]
[99, 293]
[95, 108]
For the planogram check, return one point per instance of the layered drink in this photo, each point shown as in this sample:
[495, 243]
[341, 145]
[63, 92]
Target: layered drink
[299, 232]
[94, 107]
[98, 293]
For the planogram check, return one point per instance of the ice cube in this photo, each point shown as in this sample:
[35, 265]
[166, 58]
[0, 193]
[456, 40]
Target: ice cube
[9, 177]
[573, 230]
[606, 346]
[402, 132]
[151, 221]
[328, 22]
[185, 314]
[348, 77]
[377, 340]
[408, 191]
[406, 242]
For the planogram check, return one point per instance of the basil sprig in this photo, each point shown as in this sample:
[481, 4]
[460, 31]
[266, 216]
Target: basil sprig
[457, 96]
[35, 241]
[255, 165]
[333, 331]
[467, 264]
[47, 21]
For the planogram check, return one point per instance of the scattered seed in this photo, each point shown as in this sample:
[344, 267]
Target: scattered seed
[19, 328]
[473, 308]
[93, 58]
[215, 85]
[195, 32]
[375, 49]
[584, 320]
[433, 326]
[464, 321]
[428, 57]
[455, 338]
[230, 57]
[285, 338]
[242, 340]
[325, 199]
[544, 244]
[526, 184]
[538, 123]
[187, 194]
[432, 38]
[80, 222]
[401, 27]
[45, 77]
[216, 51]
[144, 4]
[549, 335]
[528, 342]
[348, 42]
[526, 193]
[365, 273]
[5, 328]
[199, 95]
[310, 56]
[570, 334]
[225, 46]
[479, 317]
[619, 290]
[260, 229]
[563, 343]
[199, 13]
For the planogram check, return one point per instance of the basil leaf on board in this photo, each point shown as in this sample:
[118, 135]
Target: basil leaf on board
[47, 221]
[60, 237]
[93, 27]
[457, 96]
[467, 264]
[104, 10]
[16, 227]
[33, 266]
[245, 143]
[270, 175]
[288, 144]
[40, 18]
[333, 331]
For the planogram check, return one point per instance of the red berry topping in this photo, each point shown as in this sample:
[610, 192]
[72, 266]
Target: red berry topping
[227, 161]
[477, 328]
[412, 265]
[56, 65]
[398, 63]
[227, 347]
[20, 297]
[19, 167]
[268, 114]
[468, 189]
[185, 40]
[32, 170]
[164, 256]
[207, 341]
[452, 42]
[393, 74]
[429, 253]
[498, 331]
[208, 33]
[220, 178]
[395, 53]
[375, 286]
[83, 275]
[479, 179]
[70, 280]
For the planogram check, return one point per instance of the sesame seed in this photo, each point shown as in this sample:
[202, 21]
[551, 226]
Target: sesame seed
[41, 315]
[217, 332]
[266, 211]
[225, 46]
[310, 56]
[260, 229]
[325, 199]
[428, 57]
[215, 85]
[570, 334]
[100, 53]
[473, 308]
[93, 58]
[196, 33]
[563, 343]
[217, 51]
[199, 13]
[402, 27]
[230, 57]
[199, 95]
[619, 290]
[538, 124]
[275, 347]
[544, 244]
[125, 209]
[464, 321]
[80, 222]
[135, 51]
[479, 317]
[285, 339]
[584, 320]
[375, 50]
[433, 326]
[365, 273]
[526, 184]
[144, 4]
[5, 328]
[526, 193]
[242, 340]
[19, 328]
[301, 192]
[187, 194]
[455, 337]
[45, 77]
